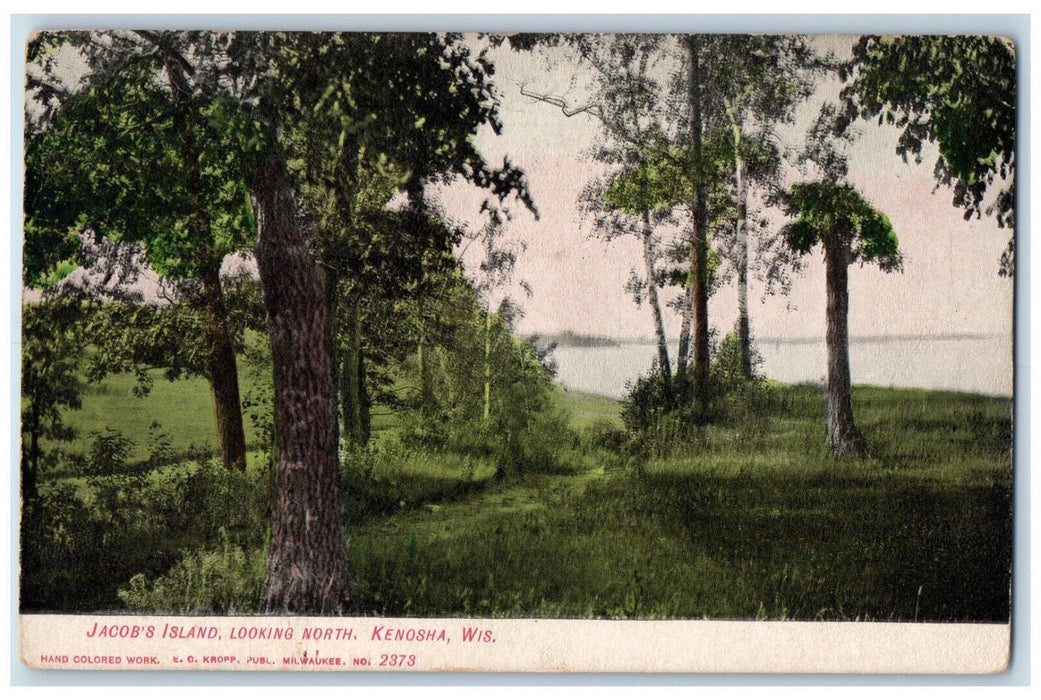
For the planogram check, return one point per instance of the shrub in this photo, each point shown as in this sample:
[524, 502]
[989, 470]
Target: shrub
[227, 580]
[84, 536]
[108, 452]
[662, 420]
[603, 434]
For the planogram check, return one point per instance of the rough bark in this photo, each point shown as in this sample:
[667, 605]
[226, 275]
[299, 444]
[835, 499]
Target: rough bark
[842, 434]
[307, 560]
[30, 464]
[698, 228]
[220, 353]
[652, 297]
[223, 375]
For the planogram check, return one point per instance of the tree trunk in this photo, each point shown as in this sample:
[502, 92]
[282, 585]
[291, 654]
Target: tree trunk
[652, 296]
[842, 434]
[426, 381]
[31, 463]
[744, 331]
[699, 232]
[353, 407]
[223, 375]
[307, 559]
[683, 351]
[220, 354]
[487, 365]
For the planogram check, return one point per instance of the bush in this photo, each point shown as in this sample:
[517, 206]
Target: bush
[663, 419]
[228, 580]
[603, 434]
[82, 537]
[108, 453]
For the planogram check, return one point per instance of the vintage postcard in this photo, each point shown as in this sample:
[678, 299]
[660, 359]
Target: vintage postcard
[530, 352]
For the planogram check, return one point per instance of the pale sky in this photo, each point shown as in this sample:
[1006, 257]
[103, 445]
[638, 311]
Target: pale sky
[949, 284]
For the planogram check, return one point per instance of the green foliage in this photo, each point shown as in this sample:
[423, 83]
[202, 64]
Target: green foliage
[52, 354]
[110, 161]
[108, 452]
[838, 212]
[137, 338]
[225, 581]
[87, 536]
[959, 91]
[523, 426]
[667, 418]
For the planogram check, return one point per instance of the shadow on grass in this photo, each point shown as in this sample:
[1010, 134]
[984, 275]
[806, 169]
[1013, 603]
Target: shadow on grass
[835, 546]
[822, 545]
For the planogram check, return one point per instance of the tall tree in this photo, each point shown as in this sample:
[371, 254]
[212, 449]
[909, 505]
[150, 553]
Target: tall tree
[144, 154]
[52, 356]
[658, 93]
[765, 79]
[957, 91]
[848, 230]
[338, 105]
[628, 204]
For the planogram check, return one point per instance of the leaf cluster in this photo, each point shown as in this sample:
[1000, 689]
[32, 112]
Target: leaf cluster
[831, 213]
[957, 91]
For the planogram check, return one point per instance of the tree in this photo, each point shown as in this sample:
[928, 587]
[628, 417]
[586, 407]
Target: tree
[336, 106]
[494, 273]
[143, 154]
[691, 100]
[848, 229]
[626, 204]
[959, 91]
[52, 355]
[765, 78]
[658, 93]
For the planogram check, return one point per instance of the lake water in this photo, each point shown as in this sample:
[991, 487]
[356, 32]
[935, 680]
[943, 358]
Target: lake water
[980, 365]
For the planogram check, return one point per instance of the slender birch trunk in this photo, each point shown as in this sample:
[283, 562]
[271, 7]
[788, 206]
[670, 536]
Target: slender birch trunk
[652, 297]
[698, 229]
[744, 331]
[487, 365]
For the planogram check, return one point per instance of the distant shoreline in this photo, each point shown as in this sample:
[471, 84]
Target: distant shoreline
[570, 339]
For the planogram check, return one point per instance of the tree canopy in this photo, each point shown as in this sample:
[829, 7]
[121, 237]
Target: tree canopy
[957, 91]
[828, 209]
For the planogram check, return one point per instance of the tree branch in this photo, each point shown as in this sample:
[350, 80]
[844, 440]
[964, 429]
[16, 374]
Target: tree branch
[559, 102]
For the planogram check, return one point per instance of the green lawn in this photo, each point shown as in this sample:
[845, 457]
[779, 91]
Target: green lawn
[749, 521]
[182, 409]
[586, 409]
[751, 518]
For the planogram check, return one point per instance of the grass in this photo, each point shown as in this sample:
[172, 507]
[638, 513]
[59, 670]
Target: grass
[182, 408]
[586, 409]
[746, 522]
[751, 518]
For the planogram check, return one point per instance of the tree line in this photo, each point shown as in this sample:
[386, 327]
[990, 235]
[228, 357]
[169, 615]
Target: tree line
[689, 131]
[190, 146]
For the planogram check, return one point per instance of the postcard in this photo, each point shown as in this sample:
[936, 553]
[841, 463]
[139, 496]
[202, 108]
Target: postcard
[349, 351]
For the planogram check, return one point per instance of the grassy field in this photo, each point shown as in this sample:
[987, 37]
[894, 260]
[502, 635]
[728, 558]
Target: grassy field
[182, 409]
[752, 522]
[747, 519]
